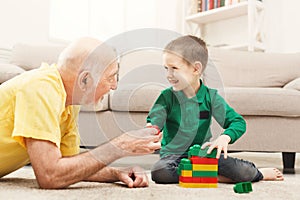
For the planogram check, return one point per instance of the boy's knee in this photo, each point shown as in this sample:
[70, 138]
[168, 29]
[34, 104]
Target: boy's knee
[163, 176]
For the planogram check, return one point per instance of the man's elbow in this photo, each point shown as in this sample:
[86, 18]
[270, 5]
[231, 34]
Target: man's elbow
[50, 181]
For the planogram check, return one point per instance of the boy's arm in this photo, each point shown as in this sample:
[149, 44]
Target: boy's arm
[233, 123]
[158, 113]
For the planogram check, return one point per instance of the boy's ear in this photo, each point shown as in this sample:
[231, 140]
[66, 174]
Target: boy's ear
[198, 67]
[85, 80]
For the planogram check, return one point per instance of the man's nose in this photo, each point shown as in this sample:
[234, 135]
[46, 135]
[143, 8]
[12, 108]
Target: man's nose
[114, 86]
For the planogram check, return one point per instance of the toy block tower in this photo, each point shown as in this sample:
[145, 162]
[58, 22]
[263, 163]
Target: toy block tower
[199, 170]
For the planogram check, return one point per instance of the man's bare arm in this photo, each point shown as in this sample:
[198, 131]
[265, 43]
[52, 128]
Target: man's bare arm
[54, 171]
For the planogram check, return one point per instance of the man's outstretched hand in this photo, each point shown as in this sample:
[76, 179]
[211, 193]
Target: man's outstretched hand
[133, 177]
[139, 142]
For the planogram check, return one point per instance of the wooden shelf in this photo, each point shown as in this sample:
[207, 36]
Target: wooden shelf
[222, 13]
[258, 46]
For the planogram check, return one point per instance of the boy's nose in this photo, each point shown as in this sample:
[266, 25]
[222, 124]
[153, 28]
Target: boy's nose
[170, 74]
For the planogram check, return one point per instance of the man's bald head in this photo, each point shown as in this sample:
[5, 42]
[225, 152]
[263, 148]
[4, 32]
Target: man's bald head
[86, 54]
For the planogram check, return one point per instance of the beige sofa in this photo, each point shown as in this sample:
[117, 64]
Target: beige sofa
[263, 87]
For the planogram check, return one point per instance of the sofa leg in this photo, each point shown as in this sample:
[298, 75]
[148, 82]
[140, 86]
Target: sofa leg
[288, 162]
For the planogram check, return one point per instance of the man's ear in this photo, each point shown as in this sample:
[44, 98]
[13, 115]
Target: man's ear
[198, 67]
[85, 80]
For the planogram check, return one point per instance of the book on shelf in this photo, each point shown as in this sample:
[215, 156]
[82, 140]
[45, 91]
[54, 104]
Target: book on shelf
[205, 5]
[199, 6]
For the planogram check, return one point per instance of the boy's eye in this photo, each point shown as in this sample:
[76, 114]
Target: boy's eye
[167, 68]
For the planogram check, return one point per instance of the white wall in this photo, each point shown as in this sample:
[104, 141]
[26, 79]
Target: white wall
[28, 21]
[283, 27]
[23, 21]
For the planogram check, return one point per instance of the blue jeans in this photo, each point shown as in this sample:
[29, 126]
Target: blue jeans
[237, 170]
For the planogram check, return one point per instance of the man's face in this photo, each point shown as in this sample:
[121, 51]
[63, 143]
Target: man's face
[179, 73]
[108, 81]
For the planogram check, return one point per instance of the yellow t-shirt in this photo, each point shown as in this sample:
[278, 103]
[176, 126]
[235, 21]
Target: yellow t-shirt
[32, 105]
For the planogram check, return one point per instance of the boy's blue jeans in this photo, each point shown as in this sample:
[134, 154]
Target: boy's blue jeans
[165, 170]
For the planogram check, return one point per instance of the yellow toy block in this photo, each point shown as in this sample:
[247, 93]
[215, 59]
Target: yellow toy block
[187, 173]
[198, 167]
[198, 185]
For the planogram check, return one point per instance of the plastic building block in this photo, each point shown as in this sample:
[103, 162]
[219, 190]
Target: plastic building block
[198, 160]
[197, 167]
[185, 164]
[154, 126]
[205, 173]
[198, 179]
[198, 185]
[197, 151]
[243, 187]
[186, 173]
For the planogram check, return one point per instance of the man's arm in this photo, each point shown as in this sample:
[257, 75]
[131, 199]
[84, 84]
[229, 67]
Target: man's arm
[54, 171]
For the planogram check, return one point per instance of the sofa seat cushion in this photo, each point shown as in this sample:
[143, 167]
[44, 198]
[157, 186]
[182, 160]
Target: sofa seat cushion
[264, 101]
[135, 97]
[8, 71]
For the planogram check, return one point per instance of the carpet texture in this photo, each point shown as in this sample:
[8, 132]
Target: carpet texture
[21, 184]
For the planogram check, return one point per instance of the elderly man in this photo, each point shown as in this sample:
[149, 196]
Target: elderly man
[38, 117]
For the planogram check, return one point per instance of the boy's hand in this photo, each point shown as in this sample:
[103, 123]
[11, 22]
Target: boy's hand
[221, 143]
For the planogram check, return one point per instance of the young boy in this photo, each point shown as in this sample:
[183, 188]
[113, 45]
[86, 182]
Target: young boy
[184, 112]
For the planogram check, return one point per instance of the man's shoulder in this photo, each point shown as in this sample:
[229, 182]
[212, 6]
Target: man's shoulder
[47, 77]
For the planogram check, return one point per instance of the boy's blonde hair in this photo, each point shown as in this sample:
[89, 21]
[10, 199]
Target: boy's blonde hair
[191, 48]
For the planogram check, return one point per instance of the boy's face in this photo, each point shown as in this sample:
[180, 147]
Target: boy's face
[181, 75]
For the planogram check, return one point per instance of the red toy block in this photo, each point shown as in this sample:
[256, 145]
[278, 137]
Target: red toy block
[154, 126]
[198, 179]
[199, 160]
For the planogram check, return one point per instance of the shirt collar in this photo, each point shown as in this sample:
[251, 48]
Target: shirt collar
[199, 98]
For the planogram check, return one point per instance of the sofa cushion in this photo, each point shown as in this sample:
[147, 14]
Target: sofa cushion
[294, 84]
[264, 101]
[255, 69]
[31, 56]
[135, 97]
[8, 71]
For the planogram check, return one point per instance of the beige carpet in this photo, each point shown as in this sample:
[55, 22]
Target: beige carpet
[22, 185]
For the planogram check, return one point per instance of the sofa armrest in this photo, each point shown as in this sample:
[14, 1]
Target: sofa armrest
[8, 71]
[31, 56]
[294, 84]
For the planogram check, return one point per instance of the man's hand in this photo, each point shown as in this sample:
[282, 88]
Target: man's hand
[221, 143]
[133, 177]
[138, 142]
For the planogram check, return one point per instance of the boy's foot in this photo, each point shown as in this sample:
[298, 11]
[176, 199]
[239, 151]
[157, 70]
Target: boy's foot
[271, 174]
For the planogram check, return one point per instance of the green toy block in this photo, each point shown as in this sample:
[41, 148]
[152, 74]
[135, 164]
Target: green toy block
[185, 164]
[194, 150]
[243, 187]
[197, 151]
[205, 173]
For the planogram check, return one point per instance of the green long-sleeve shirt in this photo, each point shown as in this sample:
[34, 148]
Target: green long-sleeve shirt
[186, 121]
